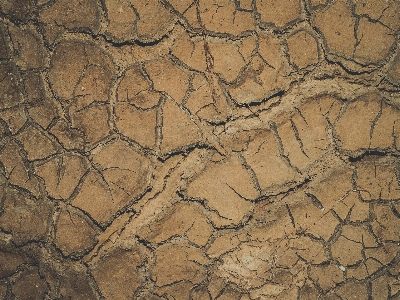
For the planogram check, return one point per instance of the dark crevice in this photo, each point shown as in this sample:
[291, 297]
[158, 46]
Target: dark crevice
[315, 201]
[371, 153]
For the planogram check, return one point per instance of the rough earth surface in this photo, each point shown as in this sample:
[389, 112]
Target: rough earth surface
[206, 149]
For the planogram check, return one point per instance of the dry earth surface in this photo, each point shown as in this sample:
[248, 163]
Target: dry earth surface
[207, 149]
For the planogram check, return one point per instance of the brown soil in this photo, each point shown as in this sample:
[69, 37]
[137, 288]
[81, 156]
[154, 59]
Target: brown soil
[207, 149]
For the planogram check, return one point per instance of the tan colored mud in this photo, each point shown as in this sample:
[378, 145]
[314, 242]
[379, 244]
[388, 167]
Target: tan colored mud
[200, 149]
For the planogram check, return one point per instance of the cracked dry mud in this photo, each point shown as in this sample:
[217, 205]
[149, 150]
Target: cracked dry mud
[208, 149]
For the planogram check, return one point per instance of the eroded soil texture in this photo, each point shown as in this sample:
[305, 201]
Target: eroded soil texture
[207, 149]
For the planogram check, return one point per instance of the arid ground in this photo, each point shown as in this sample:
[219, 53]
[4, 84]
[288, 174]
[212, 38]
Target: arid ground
[200, 149]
